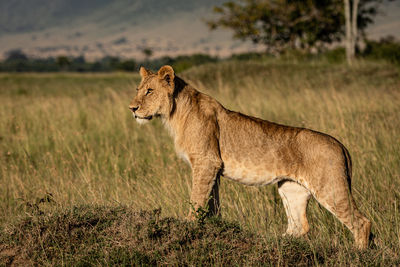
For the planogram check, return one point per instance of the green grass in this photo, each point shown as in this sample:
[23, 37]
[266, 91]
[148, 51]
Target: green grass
[68, 140]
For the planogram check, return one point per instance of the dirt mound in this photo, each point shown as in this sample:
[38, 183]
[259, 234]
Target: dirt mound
[88, 235]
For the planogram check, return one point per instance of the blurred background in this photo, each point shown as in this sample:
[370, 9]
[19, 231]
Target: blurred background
[103, 35]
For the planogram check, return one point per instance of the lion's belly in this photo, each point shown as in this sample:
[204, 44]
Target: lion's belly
[249, 174]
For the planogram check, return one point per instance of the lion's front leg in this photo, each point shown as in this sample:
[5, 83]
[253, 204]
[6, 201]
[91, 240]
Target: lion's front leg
[205, 187]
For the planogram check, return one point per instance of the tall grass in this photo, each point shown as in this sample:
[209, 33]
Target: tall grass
[71, 138]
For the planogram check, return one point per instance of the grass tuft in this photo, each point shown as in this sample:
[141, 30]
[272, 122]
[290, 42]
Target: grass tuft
[106, 235]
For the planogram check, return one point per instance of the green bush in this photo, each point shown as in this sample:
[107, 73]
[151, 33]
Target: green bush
[386, 48]
[336, 55]
[182, 63]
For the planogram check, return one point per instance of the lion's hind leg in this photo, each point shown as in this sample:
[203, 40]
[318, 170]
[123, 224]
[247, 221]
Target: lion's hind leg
[295, 199]
[338, 200]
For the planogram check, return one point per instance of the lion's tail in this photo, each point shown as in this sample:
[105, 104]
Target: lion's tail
[349, 167]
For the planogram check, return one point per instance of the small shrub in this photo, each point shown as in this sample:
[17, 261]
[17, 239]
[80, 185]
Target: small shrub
[386, 48]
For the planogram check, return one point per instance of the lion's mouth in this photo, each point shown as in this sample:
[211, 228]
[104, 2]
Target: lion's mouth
[143, 118]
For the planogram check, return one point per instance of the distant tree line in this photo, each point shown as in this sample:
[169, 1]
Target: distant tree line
[387, 48]
[17, 61]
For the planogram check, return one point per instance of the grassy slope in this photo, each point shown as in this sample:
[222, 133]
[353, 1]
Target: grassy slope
[68, 140]
[105, 235]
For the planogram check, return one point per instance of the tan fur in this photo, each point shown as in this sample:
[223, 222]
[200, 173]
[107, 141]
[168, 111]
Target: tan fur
[251, 151]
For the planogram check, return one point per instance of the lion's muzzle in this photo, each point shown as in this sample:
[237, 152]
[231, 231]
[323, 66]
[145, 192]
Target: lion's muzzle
[134, 109]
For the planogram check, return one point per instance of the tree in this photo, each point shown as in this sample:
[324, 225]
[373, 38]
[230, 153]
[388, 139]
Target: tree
[15, 55]
[127, 65]
[295, 24]
[63, 62]
[282, 24]
[351, 28]
[110, 62]
[358, 14]
[148, 52]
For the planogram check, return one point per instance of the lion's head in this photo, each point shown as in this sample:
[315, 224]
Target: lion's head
[154, 94]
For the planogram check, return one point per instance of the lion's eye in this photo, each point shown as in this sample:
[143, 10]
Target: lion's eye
[149, 91]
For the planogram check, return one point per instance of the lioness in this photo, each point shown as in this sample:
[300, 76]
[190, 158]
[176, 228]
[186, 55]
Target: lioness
[216, 141]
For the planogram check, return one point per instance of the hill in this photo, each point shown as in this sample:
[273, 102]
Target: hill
[100, 235]
[119, 28]
[124, 28]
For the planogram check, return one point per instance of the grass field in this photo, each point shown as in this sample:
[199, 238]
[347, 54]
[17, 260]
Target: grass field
[68, 140]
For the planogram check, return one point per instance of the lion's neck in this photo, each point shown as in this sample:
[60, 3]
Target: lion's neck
[182, 107]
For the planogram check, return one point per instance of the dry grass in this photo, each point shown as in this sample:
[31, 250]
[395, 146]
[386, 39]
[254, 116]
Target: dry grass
[71, 138]
[104, 235]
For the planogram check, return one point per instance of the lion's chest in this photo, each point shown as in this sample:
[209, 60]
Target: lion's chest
[248, 173]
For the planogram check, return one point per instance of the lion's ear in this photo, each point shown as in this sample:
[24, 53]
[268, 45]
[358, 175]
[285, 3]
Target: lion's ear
[167, 74]
[144, 72]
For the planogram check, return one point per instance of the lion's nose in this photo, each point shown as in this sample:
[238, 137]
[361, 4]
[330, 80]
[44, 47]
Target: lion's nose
[133, 108]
